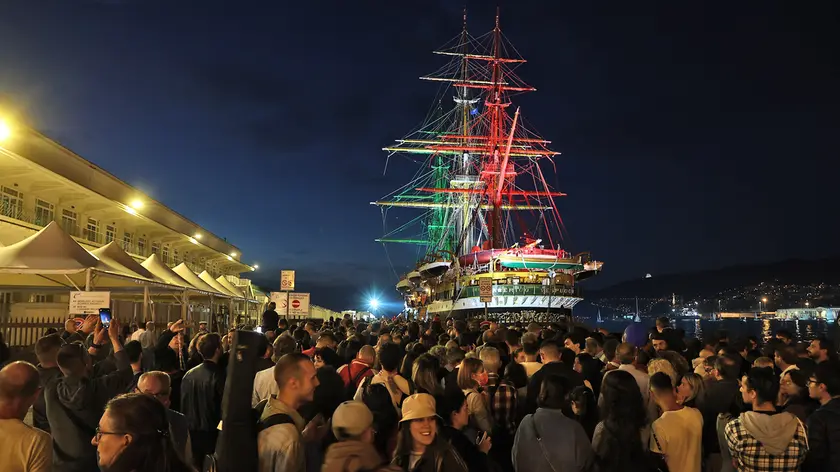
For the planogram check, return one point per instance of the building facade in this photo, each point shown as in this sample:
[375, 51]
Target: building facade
[42, 181]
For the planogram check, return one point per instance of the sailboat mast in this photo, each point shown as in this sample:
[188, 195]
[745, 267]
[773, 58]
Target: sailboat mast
[496, 123]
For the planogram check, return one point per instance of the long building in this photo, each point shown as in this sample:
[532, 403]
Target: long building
[41, 181]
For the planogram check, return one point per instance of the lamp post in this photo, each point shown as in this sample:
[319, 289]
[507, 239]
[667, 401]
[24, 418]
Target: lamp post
[763, 300]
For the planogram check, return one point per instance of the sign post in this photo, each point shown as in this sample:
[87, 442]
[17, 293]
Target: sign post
[485, 292]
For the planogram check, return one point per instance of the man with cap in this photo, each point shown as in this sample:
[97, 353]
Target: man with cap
[352, 425]
[202, 328]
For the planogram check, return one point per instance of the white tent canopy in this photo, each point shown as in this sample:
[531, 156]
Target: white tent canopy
[114, 257]
[49, 251]
[160, 270]
[209, 280]
[185, 273]
[230, 287]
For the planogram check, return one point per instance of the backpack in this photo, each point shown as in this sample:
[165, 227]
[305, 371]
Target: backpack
[273, 420]
[350, 388]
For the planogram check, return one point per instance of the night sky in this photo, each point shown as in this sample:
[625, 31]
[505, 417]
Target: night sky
[694, 134]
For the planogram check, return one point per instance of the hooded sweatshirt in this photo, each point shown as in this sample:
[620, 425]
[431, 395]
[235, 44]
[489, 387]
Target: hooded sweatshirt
[756, 439]
[351, 456]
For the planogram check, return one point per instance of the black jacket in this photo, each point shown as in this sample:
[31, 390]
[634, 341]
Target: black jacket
[201, 396]
[74, 407]
[720, 396]
[823, 438]
[39, 408]
[552, 368]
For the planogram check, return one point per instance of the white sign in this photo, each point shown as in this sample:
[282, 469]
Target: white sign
[298, 304]
[89, 303]
[281, 299]
[287, 280]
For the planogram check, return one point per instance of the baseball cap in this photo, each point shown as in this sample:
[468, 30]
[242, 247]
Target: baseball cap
[351, 419]
[417, 406]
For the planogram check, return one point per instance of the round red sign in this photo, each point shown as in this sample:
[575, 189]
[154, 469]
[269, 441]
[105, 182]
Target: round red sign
[295, 303]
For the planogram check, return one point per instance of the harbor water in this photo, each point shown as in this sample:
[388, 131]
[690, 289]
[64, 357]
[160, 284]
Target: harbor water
[803, 330]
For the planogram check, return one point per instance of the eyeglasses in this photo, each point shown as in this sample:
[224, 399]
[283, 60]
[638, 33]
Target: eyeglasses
[160, 395]
[100, 433]
[813, 382]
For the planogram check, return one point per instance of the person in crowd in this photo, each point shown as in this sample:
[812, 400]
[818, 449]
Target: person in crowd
[793, 395]
[662, 365]
[201, 397]
[678, 433]
[173, 339]
[133, 436]
[763, 362]
[515, 375]
[385, 418]
[574, 342]
[590, 368]
[46, 350]
[584, 409]
[555, 362]
[158, 385]
[660, 342]
[424, 374]
[501, 395]
[472, 377]
[264, 384]
[721, 396]
[359, 368]
[266, 348]
[398, 386]
[822, 350]
[531, 352]
[75, 401]
[548, 440]
[762, 439]
[270, 318]
[620, 440]
[419, 447]
[22, 447]
[69, 329]
[452, 409]
[824, 423]
[134, 351]
[147, 338]
[690, 388]
[610, 358]
[280, 447]
[784, 336]
[352, 426]
[785, 359]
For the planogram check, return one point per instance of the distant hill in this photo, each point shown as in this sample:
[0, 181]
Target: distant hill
[794, 271]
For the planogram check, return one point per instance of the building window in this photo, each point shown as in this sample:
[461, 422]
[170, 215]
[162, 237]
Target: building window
[68, 222]
[141, 246]
[110, 233]
[5, 298]
[92, 230]
[38, 298]
[165, 254]
[11, 203]
[128, 241]
[155, 247]
[44, 212]
[175, 257]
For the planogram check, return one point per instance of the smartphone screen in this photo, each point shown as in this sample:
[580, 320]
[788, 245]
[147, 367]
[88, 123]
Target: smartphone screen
[105, 316]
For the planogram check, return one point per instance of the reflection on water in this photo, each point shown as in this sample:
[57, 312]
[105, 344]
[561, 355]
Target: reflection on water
[804, 330]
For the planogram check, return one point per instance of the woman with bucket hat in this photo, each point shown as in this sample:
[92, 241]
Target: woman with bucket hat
[420, 448]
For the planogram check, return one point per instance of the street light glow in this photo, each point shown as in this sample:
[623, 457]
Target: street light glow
[5, 130]
[137, 204]
[373, 303]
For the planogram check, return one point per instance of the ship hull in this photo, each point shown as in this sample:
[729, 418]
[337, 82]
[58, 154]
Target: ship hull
[537, 262]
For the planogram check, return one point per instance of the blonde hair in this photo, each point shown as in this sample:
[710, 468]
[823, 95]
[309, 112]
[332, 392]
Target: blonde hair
[469, 367]
[662, 365]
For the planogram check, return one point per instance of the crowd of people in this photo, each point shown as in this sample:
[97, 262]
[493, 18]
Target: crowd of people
[428, 396]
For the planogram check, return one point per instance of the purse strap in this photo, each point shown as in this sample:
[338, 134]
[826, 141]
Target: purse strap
[540, 442]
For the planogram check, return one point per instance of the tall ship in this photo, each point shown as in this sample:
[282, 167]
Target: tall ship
[489, 233]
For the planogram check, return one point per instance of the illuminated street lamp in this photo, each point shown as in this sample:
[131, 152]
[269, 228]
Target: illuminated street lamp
[807, 304]
[5, 130]
[373, 303]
